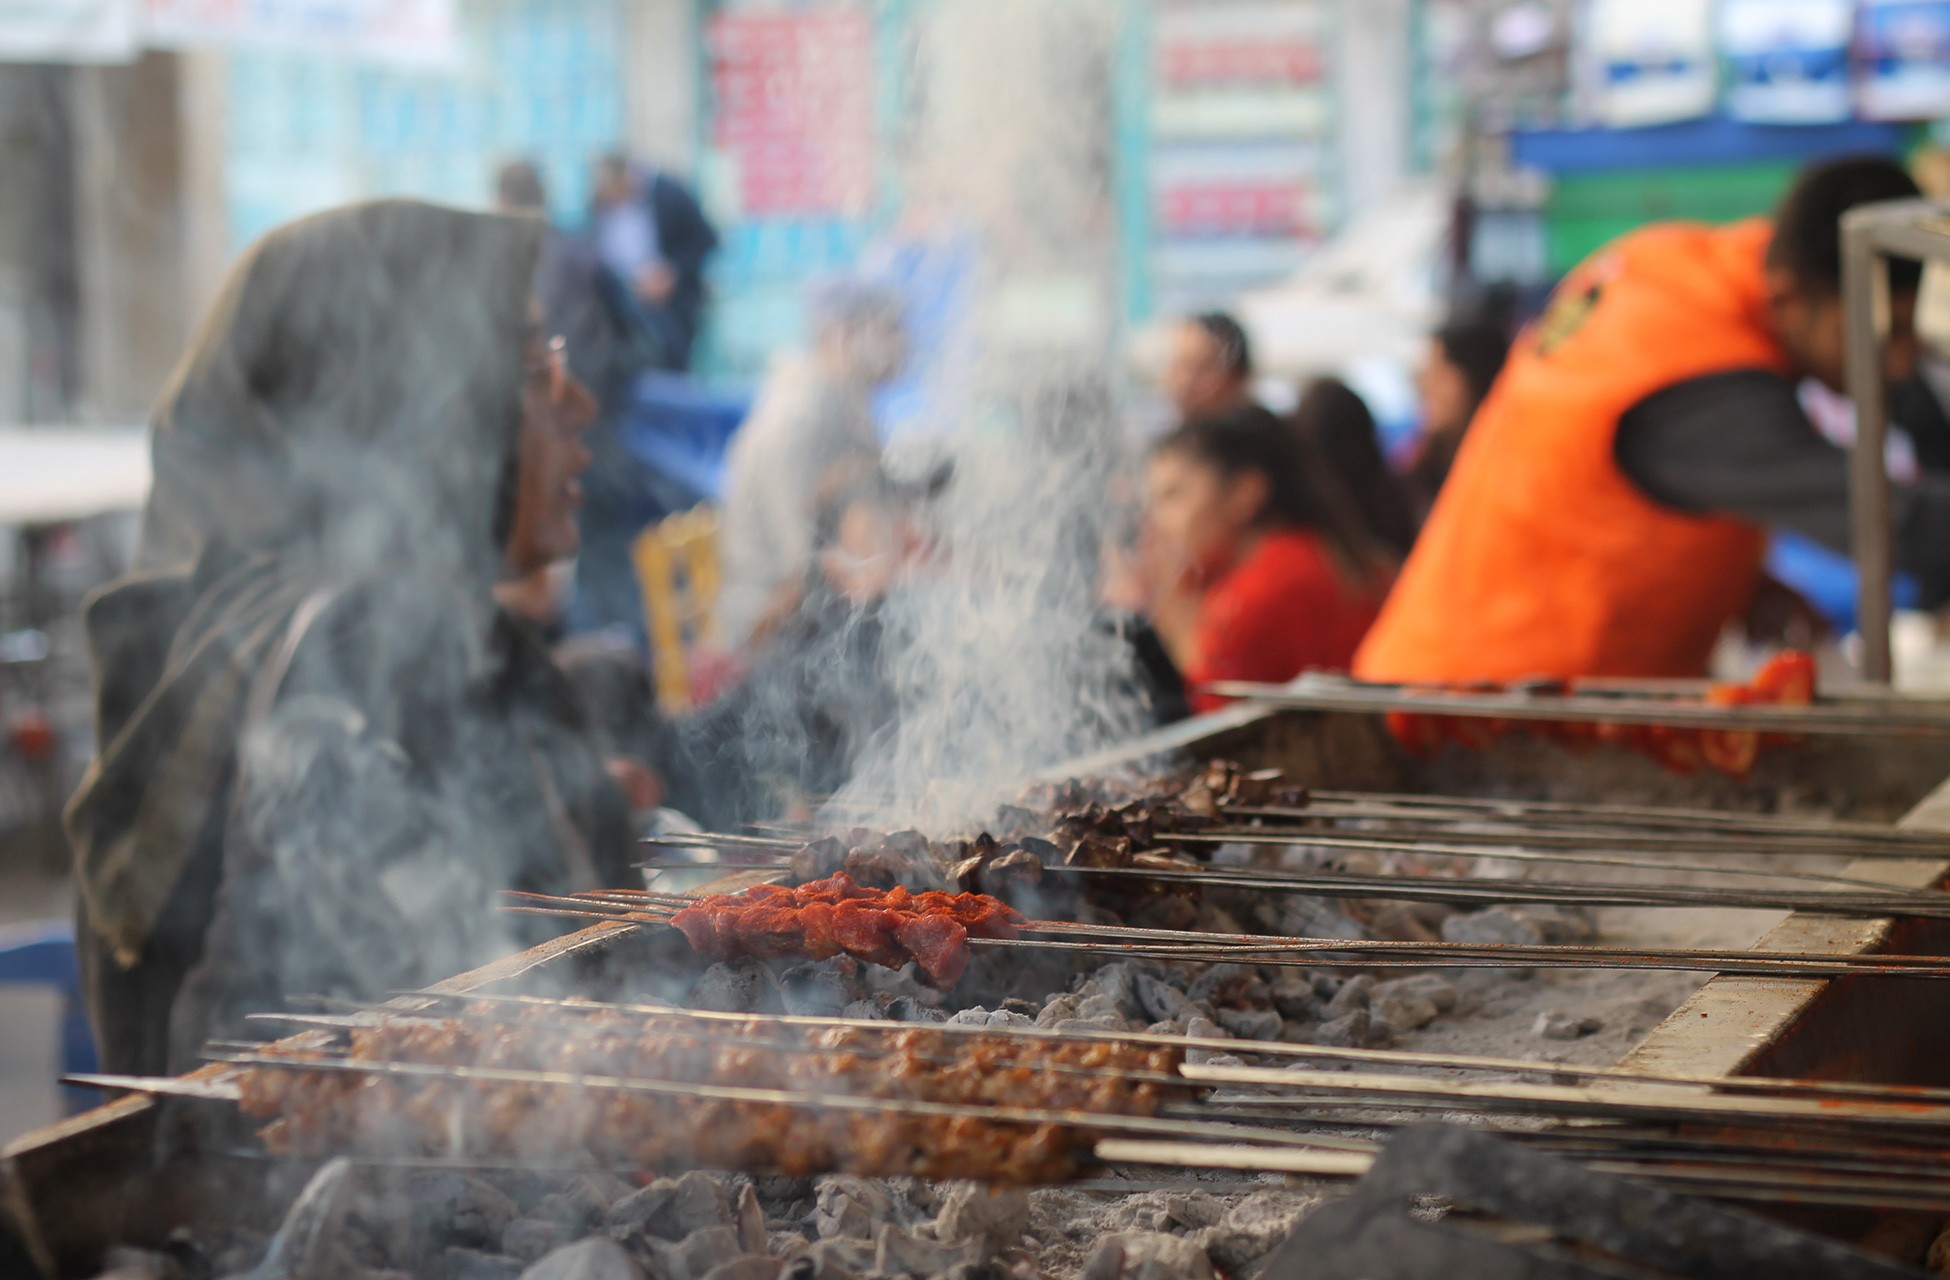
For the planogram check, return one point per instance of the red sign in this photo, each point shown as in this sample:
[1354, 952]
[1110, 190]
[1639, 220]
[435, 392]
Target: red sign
[794, 108]
[1226, 61]
[1240, 206]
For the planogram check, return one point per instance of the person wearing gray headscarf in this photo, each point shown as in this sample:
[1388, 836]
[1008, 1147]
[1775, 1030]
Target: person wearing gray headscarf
[813, 419]
[322, 747]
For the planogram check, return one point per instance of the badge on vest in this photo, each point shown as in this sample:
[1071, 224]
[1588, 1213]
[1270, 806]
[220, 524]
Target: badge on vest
[1566, 315]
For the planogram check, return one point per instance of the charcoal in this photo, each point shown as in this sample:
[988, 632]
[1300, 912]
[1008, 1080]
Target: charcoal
[1147, 1255]
[530, 1239]
[974, 1213]
[575, 1207]
[750, 1267]
[815, 990]
[1300, 916]
[702, 1252]
[1356, 993]
[869, 1010]
[903, 1253]
[831, 1260]
[1099, 1006]
[1351, 1031]
[1165, 1211]
[1251, 1024]
[1232, 986]
[991, 1018]
[1294, 998]
[987, 1270]
[1553, 1024]
[1016, 1004]
[738, 986]
[908, 1009]
[596, 1258]
[904, 981]
[748, 1215]
[1165, 911]
[472, 1264]
[1404, 1011]
[1057, 1010]
[453, 1209]
[672, 1208]
[1159, 1000]
[1251, 1229]
[1433, 987]
[818, 860]
[848, 1208]
[1117, 982]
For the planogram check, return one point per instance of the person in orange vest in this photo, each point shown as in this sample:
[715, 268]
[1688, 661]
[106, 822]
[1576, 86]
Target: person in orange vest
[1607, 512]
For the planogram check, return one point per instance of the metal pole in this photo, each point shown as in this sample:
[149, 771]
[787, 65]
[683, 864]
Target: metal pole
[1865, 302]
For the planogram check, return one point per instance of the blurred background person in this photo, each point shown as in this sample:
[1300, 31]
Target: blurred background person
[323, 748]
[814, 413]
[1609, 514]
[814, 693]
[584, 303]
[1341, 431]
[1250, 574]
[1463, 359]
[652, 233]
[1208, 366]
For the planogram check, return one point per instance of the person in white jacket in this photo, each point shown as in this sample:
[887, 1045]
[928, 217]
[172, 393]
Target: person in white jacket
[814, 416]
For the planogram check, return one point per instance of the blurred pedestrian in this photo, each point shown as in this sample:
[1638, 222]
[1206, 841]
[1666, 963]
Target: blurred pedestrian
[1462, 361]
[1337, 423]
[1208, 366]
[1252, 575]
[652, 233]
[584, 301]
[814, 413]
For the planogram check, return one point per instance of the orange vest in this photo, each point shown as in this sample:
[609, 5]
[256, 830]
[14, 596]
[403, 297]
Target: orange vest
[1540, 557]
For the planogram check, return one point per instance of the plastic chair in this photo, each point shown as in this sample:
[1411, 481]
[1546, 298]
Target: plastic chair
[677, 571]
[43, 954]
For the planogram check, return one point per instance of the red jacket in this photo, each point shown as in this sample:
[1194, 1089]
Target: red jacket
[1284, 609]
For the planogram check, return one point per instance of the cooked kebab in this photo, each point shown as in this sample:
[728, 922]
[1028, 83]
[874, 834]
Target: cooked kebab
[315, 1109]
[836, 916]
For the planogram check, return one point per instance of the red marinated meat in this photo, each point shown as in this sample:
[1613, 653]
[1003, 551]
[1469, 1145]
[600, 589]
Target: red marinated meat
[828, 917]
[765, 931]
[939, 945]
[699, 928]
[816, 931]
[866, 933]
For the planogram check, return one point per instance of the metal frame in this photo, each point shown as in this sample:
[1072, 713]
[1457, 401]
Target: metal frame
[1871, 235]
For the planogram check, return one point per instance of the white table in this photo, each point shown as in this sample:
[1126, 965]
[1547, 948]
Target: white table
[53, 474]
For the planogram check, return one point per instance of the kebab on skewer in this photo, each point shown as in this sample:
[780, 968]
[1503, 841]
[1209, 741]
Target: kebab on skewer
[587, 1089]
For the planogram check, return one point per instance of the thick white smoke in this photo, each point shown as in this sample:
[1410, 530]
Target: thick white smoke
[997, 654]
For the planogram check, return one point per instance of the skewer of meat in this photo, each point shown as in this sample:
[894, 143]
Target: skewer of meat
[835, 916]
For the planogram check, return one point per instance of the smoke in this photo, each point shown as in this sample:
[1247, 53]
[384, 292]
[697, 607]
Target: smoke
[997, 657]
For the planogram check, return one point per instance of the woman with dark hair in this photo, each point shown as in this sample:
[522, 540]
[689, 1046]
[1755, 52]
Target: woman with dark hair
[323, 748]
[1342, 432]
[1254, 574]
[1463, 361]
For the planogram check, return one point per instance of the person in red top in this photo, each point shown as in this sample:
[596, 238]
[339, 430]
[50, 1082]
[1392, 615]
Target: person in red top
[1253, 572]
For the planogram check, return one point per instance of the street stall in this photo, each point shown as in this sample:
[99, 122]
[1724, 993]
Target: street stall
[1208, 973]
